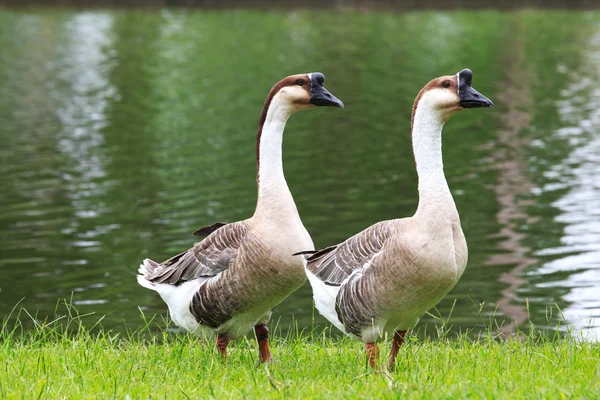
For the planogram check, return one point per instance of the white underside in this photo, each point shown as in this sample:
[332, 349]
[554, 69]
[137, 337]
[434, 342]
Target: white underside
[406, 316]
[179, 298]
[324, 296]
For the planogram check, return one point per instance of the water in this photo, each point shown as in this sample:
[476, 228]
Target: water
[124, 131]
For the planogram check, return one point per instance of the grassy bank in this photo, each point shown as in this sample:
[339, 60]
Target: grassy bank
[46, 362]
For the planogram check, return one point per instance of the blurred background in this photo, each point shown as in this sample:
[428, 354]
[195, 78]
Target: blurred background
[124, 126]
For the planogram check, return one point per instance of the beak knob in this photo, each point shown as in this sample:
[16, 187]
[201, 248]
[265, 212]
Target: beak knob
[469, 97]
[319, 96]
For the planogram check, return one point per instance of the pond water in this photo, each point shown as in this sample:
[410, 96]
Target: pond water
[124, 131]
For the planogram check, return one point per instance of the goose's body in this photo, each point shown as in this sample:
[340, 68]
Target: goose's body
[230, 281]
[360, 287]
[382, 280]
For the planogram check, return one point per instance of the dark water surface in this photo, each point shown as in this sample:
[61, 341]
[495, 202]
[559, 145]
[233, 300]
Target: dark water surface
[122, 132]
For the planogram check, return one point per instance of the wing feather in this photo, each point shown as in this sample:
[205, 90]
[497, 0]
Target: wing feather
[207, 258]
[333, 265]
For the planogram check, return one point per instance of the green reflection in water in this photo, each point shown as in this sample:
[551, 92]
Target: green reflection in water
[124, 131]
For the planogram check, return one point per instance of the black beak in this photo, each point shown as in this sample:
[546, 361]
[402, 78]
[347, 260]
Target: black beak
[469, 97]
[319, 96]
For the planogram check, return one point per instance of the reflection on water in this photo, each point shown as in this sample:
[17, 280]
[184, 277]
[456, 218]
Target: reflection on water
[508, 156]
[124, 131]
[577, 176]
[81, 103]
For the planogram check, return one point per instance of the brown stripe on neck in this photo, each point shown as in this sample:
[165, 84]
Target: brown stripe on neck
[437, 82]
[290, 80]
[427, 87]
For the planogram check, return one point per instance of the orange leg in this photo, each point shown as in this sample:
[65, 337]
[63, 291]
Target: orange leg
[222, 342]
[372, 353]
[262, 337]
[396, 343]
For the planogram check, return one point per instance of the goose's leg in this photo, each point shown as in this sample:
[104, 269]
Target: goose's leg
[396, 343]
[372, 353]
[262, 337]
[222, 342]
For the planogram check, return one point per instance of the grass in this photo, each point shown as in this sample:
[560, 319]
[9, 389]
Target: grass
[63, 359]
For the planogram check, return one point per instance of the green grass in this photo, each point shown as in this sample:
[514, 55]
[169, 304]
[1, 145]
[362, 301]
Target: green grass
[63, 359]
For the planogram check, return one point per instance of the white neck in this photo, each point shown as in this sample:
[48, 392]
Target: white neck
[274, 197]
[435, 199]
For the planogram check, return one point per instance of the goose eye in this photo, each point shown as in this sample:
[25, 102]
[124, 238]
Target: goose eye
[446, 84]
[300, 82]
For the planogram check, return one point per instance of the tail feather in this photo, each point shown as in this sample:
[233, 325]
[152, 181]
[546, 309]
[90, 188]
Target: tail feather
[305, 253]
[311, 255]
[147, 268]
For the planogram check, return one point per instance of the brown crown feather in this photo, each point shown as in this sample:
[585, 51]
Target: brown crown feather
[289, 81]
[434, 83]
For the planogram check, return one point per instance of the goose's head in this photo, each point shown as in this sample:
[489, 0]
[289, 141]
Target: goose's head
[302, 91]
[447, 95]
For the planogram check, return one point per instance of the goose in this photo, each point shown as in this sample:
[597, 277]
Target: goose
[230, 281]
[380, 281]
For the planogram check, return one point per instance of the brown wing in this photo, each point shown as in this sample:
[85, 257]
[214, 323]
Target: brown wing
[333, 265]
[207, 258]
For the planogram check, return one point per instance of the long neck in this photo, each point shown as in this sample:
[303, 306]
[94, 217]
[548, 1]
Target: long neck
[435, 199]
[274, 197]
